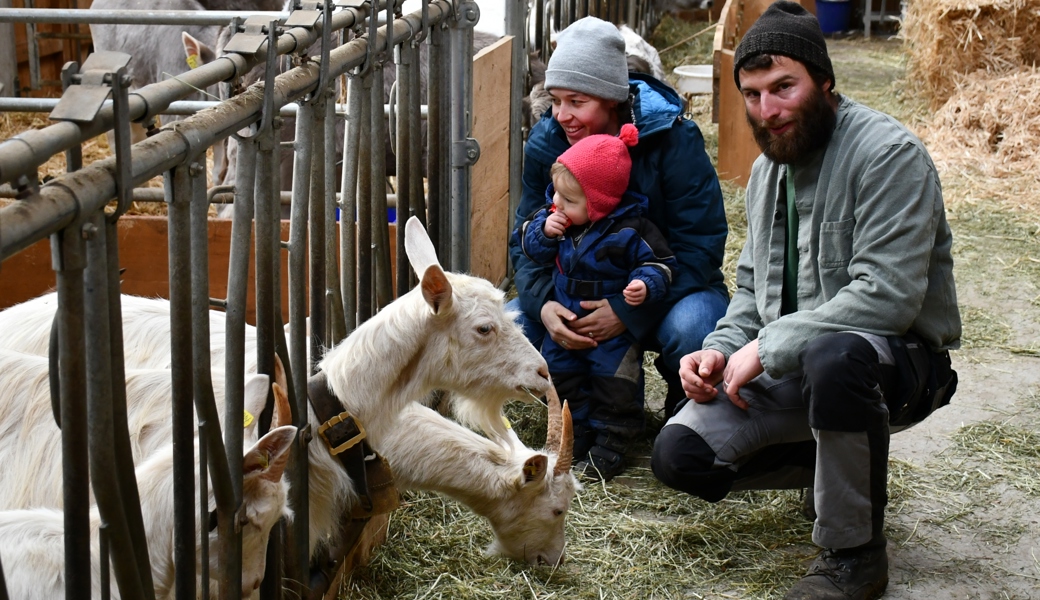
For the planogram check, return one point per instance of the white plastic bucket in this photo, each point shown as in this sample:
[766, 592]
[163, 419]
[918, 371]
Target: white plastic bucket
[694, 79]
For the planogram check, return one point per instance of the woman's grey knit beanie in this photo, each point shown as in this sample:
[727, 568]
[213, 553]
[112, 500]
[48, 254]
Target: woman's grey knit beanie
[590, 58]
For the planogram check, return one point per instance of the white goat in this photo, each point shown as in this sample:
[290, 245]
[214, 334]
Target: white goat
[30, 441]
[524, 494]
[32, 540]
[449, 333]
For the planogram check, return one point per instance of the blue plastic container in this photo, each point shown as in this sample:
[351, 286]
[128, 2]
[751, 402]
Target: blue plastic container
[833, 15]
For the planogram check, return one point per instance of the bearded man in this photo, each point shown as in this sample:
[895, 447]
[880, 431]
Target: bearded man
[845, 311]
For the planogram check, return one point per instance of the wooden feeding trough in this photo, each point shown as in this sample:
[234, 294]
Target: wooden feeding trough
[737, 147]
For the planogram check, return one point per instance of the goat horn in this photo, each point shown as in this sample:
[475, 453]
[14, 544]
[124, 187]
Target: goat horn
[282, 411]
[566, 454]
[552, 437]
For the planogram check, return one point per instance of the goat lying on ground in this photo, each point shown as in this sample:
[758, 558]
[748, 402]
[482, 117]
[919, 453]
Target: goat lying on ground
[32, 540]
[449, 333]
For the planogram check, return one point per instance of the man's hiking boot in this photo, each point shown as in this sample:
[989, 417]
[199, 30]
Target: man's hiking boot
[852, 574]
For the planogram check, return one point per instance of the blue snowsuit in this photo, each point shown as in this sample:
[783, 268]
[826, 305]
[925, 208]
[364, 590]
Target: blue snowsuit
[603, 385]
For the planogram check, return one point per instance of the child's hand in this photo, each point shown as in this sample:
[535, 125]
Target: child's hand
[556, 224]
[635, 292]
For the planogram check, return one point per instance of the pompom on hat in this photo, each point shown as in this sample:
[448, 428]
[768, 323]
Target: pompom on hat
[785, 29]
[590, 59]
[602, 166]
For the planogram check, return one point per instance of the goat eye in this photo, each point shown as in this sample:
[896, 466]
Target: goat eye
[558, 512]
[485, 329]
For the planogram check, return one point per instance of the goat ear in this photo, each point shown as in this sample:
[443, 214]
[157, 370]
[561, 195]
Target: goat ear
[535, 468]
[196, 52]
[268, 457]
[254, 400]
[436, 289]
[417, 244]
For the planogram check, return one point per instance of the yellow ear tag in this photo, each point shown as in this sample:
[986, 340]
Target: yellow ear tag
[193, 61]
[529, 471]
[506, 422]
[265, 460]
[248, 419]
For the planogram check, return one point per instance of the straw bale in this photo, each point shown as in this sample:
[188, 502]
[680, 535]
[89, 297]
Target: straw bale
[991, 124]
[948, 38]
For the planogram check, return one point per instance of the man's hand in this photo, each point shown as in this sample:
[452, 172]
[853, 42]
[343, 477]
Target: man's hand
[556, 224]
[600, 324]
[558, 322]
[743, 366]
[635, 292]
[700, 372]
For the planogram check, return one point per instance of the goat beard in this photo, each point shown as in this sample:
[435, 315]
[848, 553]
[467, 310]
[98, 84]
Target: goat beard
[814, 123]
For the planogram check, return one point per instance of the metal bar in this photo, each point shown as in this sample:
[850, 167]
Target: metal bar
[378, 222]
[516, 17]
[103, 478]
[212, 452]
[204, 511]
[461, 129]
[364, 205]
[32, 50]
[316, 237]
[124, 455]
[333, 291]
[437, 153]
[234, 359]
[403, 57]
[179, 107]
[298, 310]
[130, 17]
[178, 187]
[348, 204]
[69, 259]
[416, 168]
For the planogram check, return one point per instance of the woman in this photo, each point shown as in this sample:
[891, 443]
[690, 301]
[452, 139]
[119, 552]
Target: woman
[593, 93]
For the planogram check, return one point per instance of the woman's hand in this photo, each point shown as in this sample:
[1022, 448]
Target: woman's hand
[558, 322]
[600, 324]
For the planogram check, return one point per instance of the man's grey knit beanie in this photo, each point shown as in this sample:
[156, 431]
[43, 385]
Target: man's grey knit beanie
[590, 58]
[785, 29]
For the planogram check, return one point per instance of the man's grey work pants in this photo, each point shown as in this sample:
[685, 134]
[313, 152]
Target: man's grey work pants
[825, 426]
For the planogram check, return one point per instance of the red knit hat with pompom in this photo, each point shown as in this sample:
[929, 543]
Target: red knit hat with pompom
[602, 166]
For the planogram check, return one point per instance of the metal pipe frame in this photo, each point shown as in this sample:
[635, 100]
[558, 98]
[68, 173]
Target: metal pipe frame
[58, 202]
[22, 154]
[179, 107]
[130, 17]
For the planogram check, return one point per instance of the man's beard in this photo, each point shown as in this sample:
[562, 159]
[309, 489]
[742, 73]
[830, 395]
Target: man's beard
[813, 126]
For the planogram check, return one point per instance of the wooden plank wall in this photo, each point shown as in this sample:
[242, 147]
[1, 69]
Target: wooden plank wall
[54, 53]
[492, 73]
